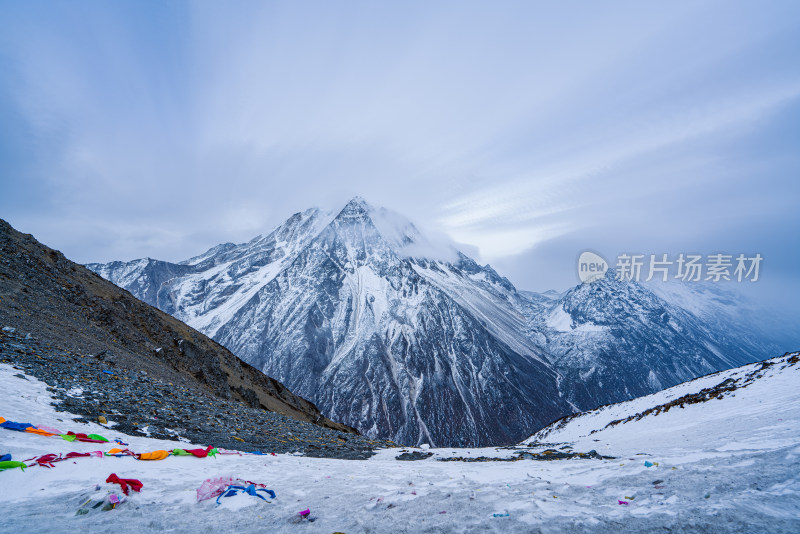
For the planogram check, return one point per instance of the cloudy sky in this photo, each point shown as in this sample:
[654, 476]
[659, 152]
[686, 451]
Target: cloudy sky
[530, 130]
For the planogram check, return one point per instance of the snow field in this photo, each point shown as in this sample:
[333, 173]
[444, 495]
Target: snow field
[710, 484]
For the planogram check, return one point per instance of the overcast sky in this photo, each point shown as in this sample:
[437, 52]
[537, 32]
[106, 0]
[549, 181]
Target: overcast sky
[530, 130]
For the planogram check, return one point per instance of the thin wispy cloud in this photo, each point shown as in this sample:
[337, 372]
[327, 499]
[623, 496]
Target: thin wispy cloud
[527, 130]
[562, 189]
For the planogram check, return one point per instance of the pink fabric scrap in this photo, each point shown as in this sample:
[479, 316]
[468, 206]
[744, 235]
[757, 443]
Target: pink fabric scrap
[226, 451]
[212, 487]
[623, 502]
[305, 512]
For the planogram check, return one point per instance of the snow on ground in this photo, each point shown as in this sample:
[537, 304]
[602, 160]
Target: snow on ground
[763, 413]
[712, 478]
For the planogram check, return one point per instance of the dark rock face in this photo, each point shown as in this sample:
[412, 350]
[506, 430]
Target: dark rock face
[548, 455]
[413, 456]
[66, 305]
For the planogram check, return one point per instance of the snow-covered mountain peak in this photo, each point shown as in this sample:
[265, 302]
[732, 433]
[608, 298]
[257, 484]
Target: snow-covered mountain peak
[361, 224]
[608, 300]
[357, 208]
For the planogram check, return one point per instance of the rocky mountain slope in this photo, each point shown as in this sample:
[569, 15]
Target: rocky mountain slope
[164, 405]
[67, 307]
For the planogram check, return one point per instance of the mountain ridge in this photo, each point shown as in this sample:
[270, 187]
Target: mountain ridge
[382, 332]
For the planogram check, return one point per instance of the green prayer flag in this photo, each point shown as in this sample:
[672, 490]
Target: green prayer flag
[11, 465]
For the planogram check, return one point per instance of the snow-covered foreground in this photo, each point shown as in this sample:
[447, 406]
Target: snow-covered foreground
[723, 465]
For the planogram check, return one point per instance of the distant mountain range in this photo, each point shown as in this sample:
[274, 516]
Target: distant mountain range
[414, 341]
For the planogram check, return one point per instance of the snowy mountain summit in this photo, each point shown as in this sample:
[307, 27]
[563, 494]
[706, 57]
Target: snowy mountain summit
[408, 339]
